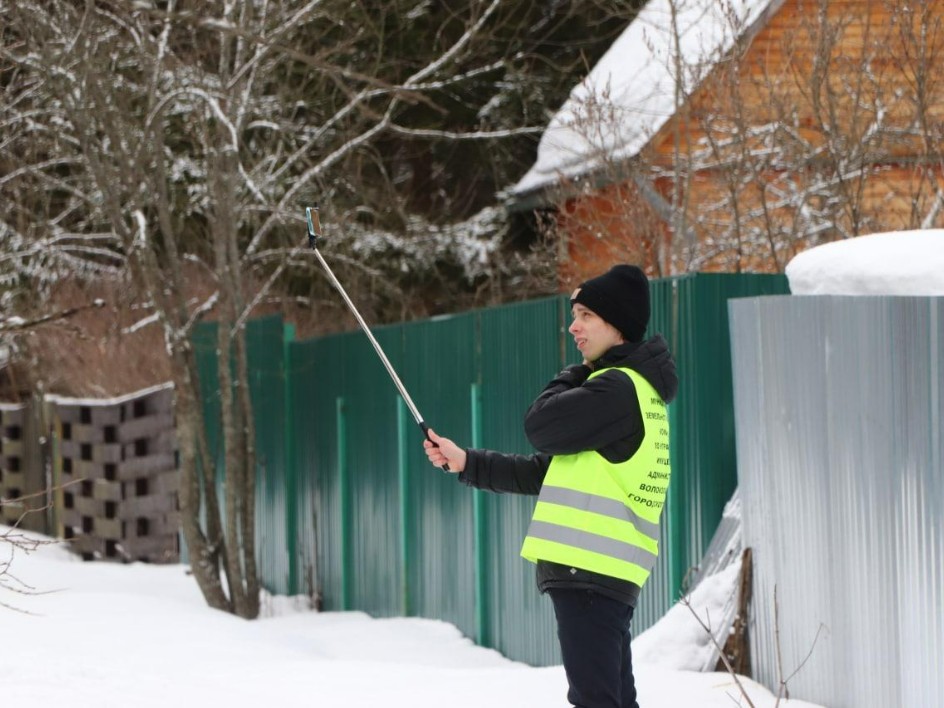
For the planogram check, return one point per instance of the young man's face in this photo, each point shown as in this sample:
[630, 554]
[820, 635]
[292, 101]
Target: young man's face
[592, 334]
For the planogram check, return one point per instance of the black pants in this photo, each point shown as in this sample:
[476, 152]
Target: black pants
[594, 638]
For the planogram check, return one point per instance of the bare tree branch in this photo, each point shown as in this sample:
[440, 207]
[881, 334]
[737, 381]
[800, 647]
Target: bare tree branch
[687, 602]
[17, 324]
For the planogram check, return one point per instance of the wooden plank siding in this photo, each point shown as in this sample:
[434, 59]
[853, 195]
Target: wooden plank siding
[845, 92]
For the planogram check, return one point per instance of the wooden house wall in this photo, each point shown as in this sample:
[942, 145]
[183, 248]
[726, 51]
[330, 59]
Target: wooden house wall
[612, 225]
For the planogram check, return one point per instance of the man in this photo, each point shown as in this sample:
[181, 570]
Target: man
[601, 474]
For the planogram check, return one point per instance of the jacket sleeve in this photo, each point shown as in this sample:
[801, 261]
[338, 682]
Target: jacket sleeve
[500, 472]
[573, 413]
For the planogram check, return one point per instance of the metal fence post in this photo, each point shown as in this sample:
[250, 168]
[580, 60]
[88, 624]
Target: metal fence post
[480, 531]
[344, 504]
[291, 473]
[403, 478]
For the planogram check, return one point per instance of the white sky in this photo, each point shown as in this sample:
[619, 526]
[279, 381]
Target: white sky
[895, 263]
[630, 93]
[140, 635]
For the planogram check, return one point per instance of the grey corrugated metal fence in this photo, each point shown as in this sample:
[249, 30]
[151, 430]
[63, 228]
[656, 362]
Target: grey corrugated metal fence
[840, 409]
[271, 389]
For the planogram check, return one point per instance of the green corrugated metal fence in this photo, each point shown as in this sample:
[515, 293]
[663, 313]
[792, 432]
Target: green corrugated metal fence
[275, 477]
[375, 528]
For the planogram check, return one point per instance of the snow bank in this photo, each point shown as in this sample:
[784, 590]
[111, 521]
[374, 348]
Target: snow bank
[678, 641]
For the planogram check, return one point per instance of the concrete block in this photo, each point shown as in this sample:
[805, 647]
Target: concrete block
[148, 427]
[148, 506]
[155, 549]
[105, 490]
[108, 529]
[87, 506]
[166, 483]
[146, 466]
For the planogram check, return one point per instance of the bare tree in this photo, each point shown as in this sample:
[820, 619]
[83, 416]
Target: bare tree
[182, 139]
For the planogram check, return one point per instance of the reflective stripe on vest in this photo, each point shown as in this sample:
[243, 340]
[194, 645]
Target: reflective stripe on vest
[589, 541]
[599, 505]
[604, 517]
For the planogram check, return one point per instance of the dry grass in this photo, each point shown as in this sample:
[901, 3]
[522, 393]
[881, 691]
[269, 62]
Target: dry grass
[104, 352]
[93, 353]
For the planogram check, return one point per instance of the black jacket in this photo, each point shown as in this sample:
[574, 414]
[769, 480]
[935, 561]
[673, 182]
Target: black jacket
[571, 415]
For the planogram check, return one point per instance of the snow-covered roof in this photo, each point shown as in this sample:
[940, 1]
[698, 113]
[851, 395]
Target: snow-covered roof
[630, 93]
[894, 263]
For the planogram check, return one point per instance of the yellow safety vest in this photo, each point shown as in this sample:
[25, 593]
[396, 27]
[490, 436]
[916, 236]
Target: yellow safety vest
[602, 516]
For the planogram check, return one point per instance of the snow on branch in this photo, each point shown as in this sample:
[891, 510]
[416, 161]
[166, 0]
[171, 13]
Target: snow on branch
[19, 324]
[213, 102]
[455, 49]
[475, 135]
[141, 324]
[198, 313]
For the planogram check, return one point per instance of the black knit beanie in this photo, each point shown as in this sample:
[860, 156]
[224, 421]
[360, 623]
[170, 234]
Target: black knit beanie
[621, 297]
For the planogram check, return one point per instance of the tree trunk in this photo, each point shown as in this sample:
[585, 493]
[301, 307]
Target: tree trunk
[204, 555]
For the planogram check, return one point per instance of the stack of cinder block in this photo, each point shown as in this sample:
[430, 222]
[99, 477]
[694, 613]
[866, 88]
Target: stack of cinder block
[22, 474]
[117, 466]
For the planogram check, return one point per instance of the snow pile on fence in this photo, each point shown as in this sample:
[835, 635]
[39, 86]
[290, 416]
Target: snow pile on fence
[894, 263]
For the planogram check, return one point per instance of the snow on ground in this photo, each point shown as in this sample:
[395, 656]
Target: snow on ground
[894, 263]
[138, 635]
